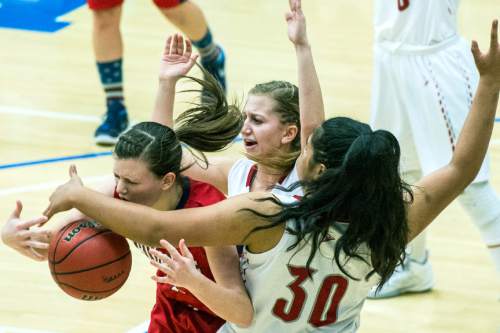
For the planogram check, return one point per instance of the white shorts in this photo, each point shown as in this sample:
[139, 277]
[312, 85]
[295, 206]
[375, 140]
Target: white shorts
[423, 98]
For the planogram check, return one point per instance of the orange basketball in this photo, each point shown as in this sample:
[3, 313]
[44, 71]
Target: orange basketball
[89, 262]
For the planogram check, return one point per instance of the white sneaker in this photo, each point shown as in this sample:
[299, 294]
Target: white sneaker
[412, 277]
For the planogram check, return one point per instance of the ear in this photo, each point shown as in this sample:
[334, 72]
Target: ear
[320, 169]
[168, 181]
[290, 133]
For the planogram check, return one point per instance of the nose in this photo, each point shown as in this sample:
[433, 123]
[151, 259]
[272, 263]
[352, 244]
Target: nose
[246, 129]
[120, 187]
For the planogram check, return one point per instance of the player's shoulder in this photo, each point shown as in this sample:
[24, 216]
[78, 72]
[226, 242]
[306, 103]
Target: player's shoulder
[202, 194]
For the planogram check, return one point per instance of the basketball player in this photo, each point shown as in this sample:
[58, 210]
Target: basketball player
[108, 49]
[274, 130]
[420, 40]
[311, 263]
[147, 171]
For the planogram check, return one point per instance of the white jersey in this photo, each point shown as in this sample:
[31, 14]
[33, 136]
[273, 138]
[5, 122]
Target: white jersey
[415, 24]
[243, 172]
[287, 300]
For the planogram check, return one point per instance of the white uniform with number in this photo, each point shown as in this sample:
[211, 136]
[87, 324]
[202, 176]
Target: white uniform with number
[424, 80]
[287, 300]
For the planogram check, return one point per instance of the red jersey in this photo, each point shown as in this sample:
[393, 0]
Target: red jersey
[176, 309]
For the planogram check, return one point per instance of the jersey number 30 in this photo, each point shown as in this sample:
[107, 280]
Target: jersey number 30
[291, 310]
[403, 4]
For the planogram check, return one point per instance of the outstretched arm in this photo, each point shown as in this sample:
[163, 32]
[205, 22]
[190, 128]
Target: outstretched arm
[31, 240]
[24, 236]
[435, 191]
[224, 295]
[224, 223]
[312, 111]
[177, 60]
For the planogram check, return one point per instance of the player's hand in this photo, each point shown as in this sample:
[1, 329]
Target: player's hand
[296, 24]
[488, 64]
[177, 59]
[61, 198]
[179, 267]
[24, 236]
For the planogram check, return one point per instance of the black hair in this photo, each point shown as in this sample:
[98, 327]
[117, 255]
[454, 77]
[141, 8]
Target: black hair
[361, 186]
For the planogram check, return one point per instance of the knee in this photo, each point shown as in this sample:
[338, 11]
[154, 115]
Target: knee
[482, 204]
[171, 10]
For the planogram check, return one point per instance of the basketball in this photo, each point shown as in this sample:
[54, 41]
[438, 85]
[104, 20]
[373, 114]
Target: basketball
[89, 262]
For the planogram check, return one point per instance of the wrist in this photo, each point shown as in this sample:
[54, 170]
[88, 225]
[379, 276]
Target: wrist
[197, 282]
[168, 82]
[73, 196]
[303, 46]
[489, 83]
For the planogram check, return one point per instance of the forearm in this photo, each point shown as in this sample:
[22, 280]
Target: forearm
[124, 218]
[164, 106]
[311, 106]
[231, 304]
[215, 225]
[476, 133]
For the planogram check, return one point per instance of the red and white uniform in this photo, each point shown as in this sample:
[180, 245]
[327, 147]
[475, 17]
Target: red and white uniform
[176, 310]
[287, 300]
[243, 173]
[424, 80]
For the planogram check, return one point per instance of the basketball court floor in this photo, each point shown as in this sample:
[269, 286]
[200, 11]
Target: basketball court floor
[51, 101]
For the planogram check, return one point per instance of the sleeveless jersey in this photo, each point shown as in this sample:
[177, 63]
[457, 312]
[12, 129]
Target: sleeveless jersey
[176, 309]
[242, 174]
[415, 24]
[286, 299]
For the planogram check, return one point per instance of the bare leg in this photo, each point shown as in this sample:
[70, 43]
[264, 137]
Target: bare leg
[106, 35]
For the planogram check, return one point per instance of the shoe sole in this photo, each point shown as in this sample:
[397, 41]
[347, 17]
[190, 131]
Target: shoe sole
[399, 292]
[105, 140]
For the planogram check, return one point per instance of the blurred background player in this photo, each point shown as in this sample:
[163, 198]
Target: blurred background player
[108, 49]
[423, 85]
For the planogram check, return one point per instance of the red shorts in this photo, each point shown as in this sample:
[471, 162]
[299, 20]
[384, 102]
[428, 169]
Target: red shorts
[106, 4]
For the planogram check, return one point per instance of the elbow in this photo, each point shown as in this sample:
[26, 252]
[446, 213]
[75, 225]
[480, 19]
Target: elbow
[245, 319]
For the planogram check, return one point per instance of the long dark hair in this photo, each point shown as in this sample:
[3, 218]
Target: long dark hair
[208, 126]
[361, 186]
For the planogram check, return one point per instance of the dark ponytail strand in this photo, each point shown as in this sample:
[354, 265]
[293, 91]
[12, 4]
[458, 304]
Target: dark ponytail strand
[360, 186]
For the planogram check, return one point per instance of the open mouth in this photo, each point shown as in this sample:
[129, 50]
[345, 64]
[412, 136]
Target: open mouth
[249, 143]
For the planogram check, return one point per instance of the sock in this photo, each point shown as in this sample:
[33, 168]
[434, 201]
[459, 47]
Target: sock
[208, 50]
[110, 73]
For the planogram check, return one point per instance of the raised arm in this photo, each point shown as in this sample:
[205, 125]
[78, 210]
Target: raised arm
[435, 191]
[224, 295]
[177, 60]
[224, 223]
[312, 112]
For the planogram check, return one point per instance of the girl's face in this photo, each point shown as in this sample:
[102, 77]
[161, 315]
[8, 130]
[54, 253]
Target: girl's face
[262, 132]
[136, 183]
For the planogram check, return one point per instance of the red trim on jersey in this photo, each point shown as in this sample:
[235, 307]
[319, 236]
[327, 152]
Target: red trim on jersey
[253, 172]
